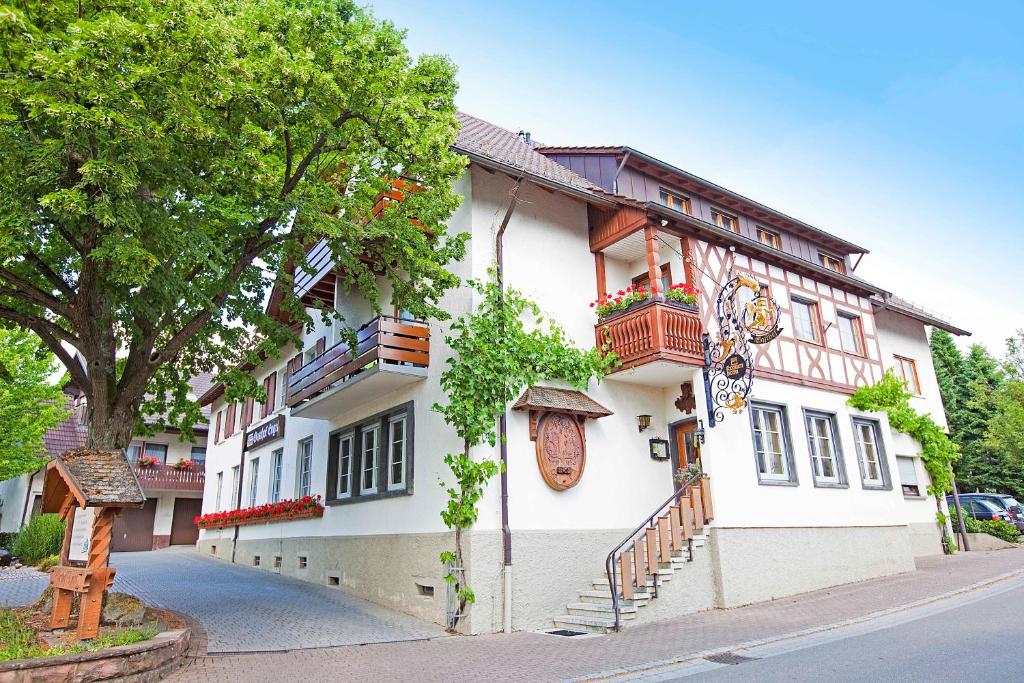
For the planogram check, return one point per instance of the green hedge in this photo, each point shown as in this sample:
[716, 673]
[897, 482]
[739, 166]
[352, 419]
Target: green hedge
[7, 539]
[42, 537]
[992, 527]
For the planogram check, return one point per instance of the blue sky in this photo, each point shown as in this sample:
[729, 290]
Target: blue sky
[899, 126]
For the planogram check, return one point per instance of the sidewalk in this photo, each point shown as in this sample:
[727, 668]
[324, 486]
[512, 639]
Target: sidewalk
[539, 657]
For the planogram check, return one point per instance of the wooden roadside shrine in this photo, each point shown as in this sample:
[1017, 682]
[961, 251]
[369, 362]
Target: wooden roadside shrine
[80, 479]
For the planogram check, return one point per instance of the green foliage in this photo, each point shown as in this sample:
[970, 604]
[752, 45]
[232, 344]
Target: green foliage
[40, 538]
[504, 346]
[30, 402]
[994, 527]
[938, 452]
[7, 539]
[18, 640]
[48, 563]
[161, 163]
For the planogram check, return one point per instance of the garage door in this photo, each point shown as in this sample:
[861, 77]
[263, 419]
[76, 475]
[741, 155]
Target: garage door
[183, 527]
[133, 529]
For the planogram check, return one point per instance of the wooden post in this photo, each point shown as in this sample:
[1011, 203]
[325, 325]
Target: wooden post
[705, 489]
[602, 283]
[676, 528]
[60, 616]
[652, 550]
[91, 609]
[653, 264]
[686, 517]
[698, 509]
[626, 563]
[664, 548]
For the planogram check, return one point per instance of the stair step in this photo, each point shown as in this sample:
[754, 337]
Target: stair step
[602, 584]
[590, 609]
[605, 598]
[589, 624]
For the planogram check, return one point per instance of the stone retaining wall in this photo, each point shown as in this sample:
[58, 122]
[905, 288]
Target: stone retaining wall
[150, 660]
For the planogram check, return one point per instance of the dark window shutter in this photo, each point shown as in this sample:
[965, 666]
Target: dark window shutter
[269, 384]
[321, 345]
[247, 412]
[229, 421]
[333, 449]
[216, 432]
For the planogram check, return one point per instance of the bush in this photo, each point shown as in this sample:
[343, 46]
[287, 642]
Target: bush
[7, 539]
[993, 527]
[40, 538]
[48, 563]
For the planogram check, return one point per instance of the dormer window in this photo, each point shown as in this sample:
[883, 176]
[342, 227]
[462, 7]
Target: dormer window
[769, 238]
[724, 220]
[674, 201]
[833, 263]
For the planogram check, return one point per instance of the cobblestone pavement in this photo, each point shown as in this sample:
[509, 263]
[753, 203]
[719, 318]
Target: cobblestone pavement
[538, 657]
[243, 609]
[21, 586]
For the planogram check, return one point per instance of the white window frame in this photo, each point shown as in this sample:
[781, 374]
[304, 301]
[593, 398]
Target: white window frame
[392, 421]
[235, 483]
[254, 473]
[220, 492]
[276, 460]
[855, 336]
[916, 483]
[815, 437]
[859, 424]
[282, 387]
[373, 429]
[304, 468]
[810, 305]
[758, 412]
[346, 470]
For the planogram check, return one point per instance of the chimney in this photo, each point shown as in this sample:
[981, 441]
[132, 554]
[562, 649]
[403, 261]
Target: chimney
[525, 135]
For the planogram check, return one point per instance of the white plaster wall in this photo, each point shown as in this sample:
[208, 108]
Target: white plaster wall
[899, 335]
[12, 496]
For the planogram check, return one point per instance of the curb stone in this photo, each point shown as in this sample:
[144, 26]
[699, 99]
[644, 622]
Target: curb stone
[647, 667]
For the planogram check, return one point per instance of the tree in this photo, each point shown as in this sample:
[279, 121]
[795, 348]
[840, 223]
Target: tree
[161, 162]
[495, 356]
[30, 403]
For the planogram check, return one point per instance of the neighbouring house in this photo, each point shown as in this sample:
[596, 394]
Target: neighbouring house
[173, 492]
[801, 492]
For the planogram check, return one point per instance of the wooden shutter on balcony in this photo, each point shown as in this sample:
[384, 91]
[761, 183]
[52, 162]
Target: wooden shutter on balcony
[247, 412]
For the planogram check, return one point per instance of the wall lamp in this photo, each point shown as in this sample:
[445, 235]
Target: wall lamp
[697, 435]
[644, 421]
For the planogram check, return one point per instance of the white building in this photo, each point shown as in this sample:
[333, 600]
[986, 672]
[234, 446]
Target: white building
[358, 429]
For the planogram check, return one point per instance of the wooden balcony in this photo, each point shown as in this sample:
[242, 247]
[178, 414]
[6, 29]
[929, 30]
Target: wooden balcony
[170, 478]
[389, 353]
[653, 331]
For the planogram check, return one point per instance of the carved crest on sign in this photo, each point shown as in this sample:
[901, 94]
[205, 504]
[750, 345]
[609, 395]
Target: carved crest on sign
[561, 450]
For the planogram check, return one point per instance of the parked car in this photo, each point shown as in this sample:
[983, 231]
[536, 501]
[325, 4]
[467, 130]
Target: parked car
[991, 506]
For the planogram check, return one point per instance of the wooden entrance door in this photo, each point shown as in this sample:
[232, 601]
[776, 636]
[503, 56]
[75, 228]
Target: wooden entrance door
[183, 527]
[133, 528]
[685, 453]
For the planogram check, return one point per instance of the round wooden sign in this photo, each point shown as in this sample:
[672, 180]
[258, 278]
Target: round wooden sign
[561, 450]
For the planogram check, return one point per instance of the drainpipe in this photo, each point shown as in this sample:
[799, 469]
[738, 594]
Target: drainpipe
[960, 519]
[238, 501]
[506, 531]
[622, 164]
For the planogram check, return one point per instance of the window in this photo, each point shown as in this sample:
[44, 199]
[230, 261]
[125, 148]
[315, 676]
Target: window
[805, 320]
[370, 458]
[833, 263]
[724, 220]
[235, 483]
[396, 453]
[745, 295]
[156, 450]
[304, 481]
[870, 454]
[133, 452]
[254, 473]
[771, 444]
[908, 371]
[850, 333]
[373, 458]
[308, 355]
[198, 455]
[644, 280]
[216, 431]
[220, 489]
[674, 201]
[908, 475]
[275, 475]
[826, 456]
[282, 387]
[769, 238]
[346, 460]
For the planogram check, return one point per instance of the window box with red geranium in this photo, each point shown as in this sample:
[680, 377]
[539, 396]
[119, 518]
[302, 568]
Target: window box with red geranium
[148, 461]
[300, 508]
[184, 465]
[609, 305]
[683, 293]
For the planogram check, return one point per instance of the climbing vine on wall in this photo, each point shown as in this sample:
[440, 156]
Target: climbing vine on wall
[504, 346]
[938, 452]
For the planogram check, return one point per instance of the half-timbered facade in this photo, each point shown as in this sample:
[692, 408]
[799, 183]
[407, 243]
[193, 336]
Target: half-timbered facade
[792, 492]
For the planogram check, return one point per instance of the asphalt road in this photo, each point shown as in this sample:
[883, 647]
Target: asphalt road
[975, 638]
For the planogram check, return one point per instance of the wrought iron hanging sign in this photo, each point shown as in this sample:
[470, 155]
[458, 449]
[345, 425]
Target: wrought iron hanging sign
[728, 369]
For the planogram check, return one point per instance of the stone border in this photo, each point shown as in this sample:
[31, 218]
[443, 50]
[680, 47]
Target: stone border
[150, 660]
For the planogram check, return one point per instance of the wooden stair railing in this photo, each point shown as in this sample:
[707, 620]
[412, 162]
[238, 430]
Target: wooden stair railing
[669, 530]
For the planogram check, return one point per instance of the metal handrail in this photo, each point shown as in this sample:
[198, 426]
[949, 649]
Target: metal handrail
[609, 563]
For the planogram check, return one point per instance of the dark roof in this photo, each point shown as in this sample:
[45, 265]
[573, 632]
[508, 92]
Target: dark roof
[912, 310]
[96, 478]
[561, 400]
[200, 384]
[69, 434]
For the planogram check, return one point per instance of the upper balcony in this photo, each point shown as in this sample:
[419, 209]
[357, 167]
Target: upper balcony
[390, 353]
[653, 330]
[170, 478]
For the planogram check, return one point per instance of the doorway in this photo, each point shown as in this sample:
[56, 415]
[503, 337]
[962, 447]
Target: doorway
[183, 527]
[133, 528]
[684, 448]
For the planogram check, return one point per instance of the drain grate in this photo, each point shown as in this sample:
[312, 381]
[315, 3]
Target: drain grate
[565, 633]
[729, 658]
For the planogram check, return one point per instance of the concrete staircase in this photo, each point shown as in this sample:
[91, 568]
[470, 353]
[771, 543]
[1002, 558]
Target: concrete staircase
[645, 562]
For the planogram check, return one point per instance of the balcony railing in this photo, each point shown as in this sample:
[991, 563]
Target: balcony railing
[168, 477]
[653, 330]
[383, 340]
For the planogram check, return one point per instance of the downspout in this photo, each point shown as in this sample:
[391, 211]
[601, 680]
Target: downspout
[622, 164]
[506, 531]
[238, 501]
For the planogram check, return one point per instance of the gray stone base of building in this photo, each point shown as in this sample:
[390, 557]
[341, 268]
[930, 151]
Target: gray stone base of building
[757, 564]
[924, 539]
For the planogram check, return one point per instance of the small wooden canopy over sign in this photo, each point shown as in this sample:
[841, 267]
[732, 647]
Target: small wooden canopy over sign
[84, 478]
[557, 419]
